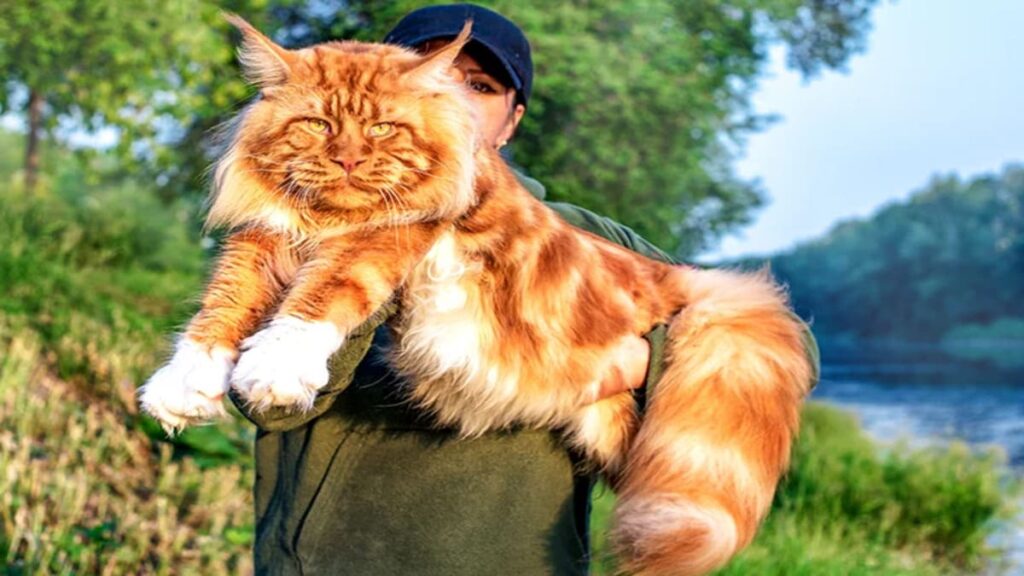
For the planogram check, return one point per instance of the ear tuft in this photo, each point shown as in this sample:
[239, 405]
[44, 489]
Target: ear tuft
[463, 38]
[264, 63]
[442, 59]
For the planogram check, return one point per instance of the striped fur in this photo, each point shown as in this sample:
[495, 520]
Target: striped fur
[508, 315]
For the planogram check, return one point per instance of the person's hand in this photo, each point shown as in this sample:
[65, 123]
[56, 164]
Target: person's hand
[629, 368]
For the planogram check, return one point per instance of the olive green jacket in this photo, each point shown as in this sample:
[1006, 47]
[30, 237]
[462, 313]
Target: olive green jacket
[364, 485]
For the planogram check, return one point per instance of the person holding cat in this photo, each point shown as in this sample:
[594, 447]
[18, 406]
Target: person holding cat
[363, 483]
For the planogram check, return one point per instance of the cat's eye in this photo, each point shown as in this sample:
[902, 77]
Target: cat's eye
[380, 130]
[318, 126]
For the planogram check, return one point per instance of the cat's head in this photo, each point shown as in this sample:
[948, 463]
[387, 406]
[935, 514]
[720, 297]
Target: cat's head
[367, 132]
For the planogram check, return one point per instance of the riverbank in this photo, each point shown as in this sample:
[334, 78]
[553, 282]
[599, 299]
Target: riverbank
[920, 407]
[966, 356]
[849, 508]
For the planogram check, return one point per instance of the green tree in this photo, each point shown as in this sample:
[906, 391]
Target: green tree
[640, 106]
[638, 110]
[133, 65]
[950, 256]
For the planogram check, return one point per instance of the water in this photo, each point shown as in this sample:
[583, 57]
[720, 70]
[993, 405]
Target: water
[932, 399]
[982, 414]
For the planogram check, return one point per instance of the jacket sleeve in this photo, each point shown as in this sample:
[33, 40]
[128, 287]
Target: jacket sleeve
[609, 230]
[342, 366]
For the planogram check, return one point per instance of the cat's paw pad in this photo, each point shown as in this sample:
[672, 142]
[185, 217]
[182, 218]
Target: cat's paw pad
[190, 388]
[285, 364]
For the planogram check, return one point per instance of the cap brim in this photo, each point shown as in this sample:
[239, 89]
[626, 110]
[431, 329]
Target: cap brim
[517, 83]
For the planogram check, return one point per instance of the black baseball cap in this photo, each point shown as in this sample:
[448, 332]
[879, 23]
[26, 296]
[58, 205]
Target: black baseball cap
[497, 35]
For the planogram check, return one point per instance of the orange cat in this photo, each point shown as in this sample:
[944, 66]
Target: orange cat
[356, 177]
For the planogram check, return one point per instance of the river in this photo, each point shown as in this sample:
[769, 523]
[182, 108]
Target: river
[928, 398]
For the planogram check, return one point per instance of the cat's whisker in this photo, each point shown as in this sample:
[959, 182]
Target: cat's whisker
[289, 187]
[396, 197]
[393, 218]
[264, 171]
[435, 175]
[387, 206]
[263, 159]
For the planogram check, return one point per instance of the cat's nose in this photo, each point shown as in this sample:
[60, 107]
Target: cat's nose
[349, 163]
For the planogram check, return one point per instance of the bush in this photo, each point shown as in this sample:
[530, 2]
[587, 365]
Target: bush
[941, 501]
[848, 507]
[101, 274]
[97, 276]
[81, 220]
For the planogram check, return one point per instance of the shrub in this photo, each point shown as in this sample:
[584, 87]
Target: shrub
[850, 507]
[101, 274]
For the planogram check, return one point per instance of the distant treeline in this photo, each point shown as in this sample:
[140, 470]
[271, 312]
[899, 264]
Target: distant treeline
[947, 262]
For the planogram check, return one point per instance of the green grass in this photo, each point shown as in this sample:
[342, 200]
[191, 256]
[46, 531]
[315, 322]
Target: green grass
[848, 507]
[97, 276]
[83, 491]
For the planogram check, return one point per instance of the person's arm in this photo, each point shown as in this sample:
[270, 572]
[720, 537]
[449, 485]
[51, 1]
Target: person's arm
[342, 366]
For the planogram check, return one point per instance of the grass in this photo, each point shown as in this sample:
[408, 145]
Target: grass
[95, 279]
[848, 507]
[84, 491]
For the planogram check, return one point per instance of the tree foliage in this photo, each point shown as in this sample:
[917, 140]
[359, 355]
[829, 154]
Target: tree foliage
[639, 106]
[148, 68]
[950, 256]
[96, 62]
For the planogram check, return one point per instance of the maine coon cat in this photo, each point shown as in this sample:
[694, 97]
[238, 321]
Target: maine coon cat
[356, 177]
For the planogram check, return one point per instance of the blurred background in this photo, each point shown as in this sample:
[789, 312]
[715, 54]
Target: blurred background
[868, 151]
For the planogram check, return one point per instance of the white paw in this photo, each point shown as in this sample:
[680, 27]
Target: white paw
[190, 388]
[286, 363]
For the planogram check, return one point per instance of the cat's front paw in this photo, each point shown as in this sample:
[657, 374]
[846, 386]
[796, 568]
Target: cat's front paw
[190, 388]
[285, 364]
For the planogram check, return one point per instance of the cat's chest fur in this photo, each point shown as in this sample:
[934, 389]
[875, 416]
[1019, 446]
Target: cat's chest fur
[446, 341]
[441, 317]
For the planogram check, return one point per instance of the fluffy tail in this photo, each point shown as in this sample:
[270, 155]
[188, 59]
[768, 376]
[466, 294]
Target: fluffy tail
[716, 434]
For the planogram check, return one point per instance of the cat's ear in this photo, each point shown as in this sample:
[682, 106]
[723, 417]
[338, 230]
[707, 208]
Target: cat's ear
[441, 61]
[264, 63]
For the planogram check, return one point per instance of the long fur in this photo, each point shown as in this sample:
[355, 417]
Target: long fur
[508, 315]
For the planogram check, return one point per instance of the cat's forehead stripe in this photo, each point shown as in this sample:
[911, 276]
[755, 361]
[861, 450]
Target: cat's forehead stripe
[350, 90]
[343, 102]
[351, 78]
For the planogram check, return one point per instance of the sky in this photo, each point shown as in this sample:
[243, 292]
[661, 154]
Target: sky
[939, 90]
